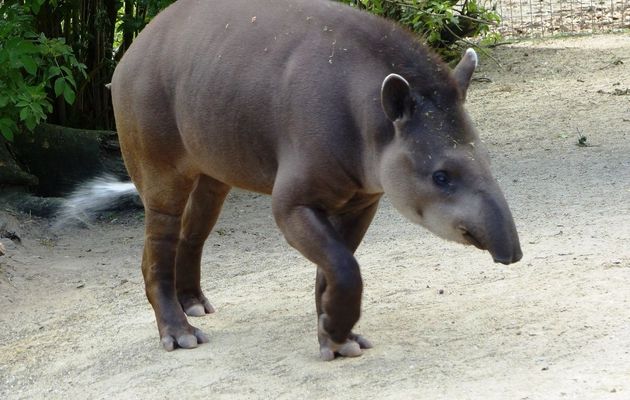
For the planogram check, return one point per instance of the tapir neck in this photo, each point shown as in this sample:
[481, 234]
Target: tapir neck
[378, 135]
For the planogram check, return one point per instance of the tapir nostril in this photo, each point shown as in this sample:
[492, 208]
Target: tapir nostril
[504, 261]
[518, 255]
[514, 258]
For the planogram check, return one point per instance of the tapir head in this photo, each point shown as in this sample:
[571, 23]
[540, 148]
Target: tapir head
[436, 171]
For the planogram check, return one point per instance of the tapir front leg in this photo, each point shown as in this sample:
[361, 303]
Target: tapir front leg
[351, 226]
[308, 229]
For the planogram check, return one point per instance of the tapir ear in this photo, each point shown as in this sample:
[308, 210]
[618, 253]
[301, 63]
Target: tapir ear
[395, 97]
[464, 70]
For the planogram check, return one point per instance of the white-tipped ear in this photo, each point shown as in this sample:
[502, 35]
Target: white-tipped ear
[464, 70]
[470, 52]
[395, 96]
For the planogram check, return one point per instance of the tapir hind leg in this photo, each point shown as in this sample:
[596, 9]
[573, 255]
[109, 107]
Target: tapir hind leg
[200, 215]
[164, 194]
[157, 163]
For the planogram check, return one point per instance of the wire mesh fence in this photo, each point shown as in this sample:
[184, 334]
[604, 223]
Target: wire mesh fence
[552, 17]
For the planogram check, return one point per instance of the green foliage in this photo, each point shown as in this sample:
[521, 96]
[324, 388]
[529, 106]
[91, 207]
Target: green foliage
[441, 22]
[34, 69]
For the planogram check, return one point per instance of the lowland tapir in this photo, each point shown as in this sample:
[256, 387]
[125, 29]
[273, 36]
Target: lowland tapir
[320, 105]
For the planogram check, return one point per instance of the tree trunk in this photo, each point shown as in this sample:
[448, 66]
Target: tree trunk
[128, 31]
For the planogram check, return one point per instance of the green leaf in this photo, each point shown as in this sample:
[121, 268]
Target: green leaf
[53, 71]
[83, 68]
[30, 65]
[26, 47]
[66, 70]
[6, 132]
[69, 94]
[7, 122]
[8, 128]
[4, 100]
[70, 80]
[35, 6]
[36, 110]
[4, 55]
[12, 44]
[31, 123]
[60, 85]
[24, 114]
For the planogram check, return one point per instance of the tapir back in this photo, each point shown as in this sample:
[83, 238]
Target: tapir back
[240, 82]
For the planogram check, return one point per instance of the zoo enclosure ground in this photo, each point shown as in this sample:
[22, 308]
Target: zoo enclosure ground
[445, 321]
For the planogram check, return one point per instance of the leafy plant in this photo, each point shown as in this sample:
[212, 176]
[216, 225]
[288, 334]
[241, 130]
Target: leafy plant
[441, 22]
[34, 69]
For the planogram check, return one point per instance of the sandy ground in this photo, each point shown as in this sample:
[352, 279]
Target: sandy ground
[446, 322]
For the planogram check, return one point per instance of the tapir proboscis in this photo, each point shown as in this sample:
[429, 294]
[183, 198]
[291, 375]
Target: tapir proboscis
[320, 105]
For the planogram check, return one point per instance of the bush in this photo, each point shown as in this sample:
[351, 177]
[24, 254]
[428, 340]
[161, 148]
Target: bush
[441, 22]
[33, 68]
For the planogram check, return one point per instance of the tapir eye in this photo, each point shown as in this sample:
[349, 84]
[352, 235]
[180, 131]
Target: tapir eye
[441, 179]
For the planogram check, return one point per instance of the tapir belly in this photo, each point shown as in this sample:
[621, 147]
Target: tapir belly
[245, 159]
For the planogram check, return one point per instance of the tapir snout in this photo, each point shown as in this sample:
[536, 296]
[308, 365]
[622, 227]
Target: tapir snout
[495, 231]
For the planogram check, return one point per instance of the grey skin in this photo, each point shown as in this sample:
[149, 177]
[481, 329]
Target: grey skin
[320, 105]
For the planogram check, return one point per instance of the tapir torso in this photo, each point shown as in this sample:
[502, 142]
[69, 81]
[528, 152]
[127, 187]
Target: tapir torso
[253, 85]
[322, 106]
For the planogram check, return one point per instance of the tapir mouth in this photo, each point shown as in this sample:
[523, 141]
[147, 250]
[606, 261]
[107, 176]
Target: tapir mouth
[471, 239]
[503, 251]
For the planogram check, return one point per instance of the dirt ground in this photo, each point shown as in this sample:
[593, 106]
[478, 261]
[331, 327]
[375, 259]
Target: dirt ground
[446, 322]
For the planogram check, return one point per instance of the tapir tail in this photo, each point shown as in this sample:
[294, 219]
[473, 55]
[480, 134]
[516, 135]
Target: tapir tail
[99, 194]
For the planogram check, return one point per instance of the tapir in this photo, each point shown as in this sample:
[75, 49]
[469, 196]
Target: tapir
[322, 106]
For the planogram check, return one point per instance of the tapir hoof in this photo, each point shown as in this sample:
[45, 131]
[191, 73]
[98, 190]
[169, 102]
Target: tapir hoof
[352, 347]
[199, 310]
[196, 306]
[349, 348]
[183, 339]
[363, 342]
